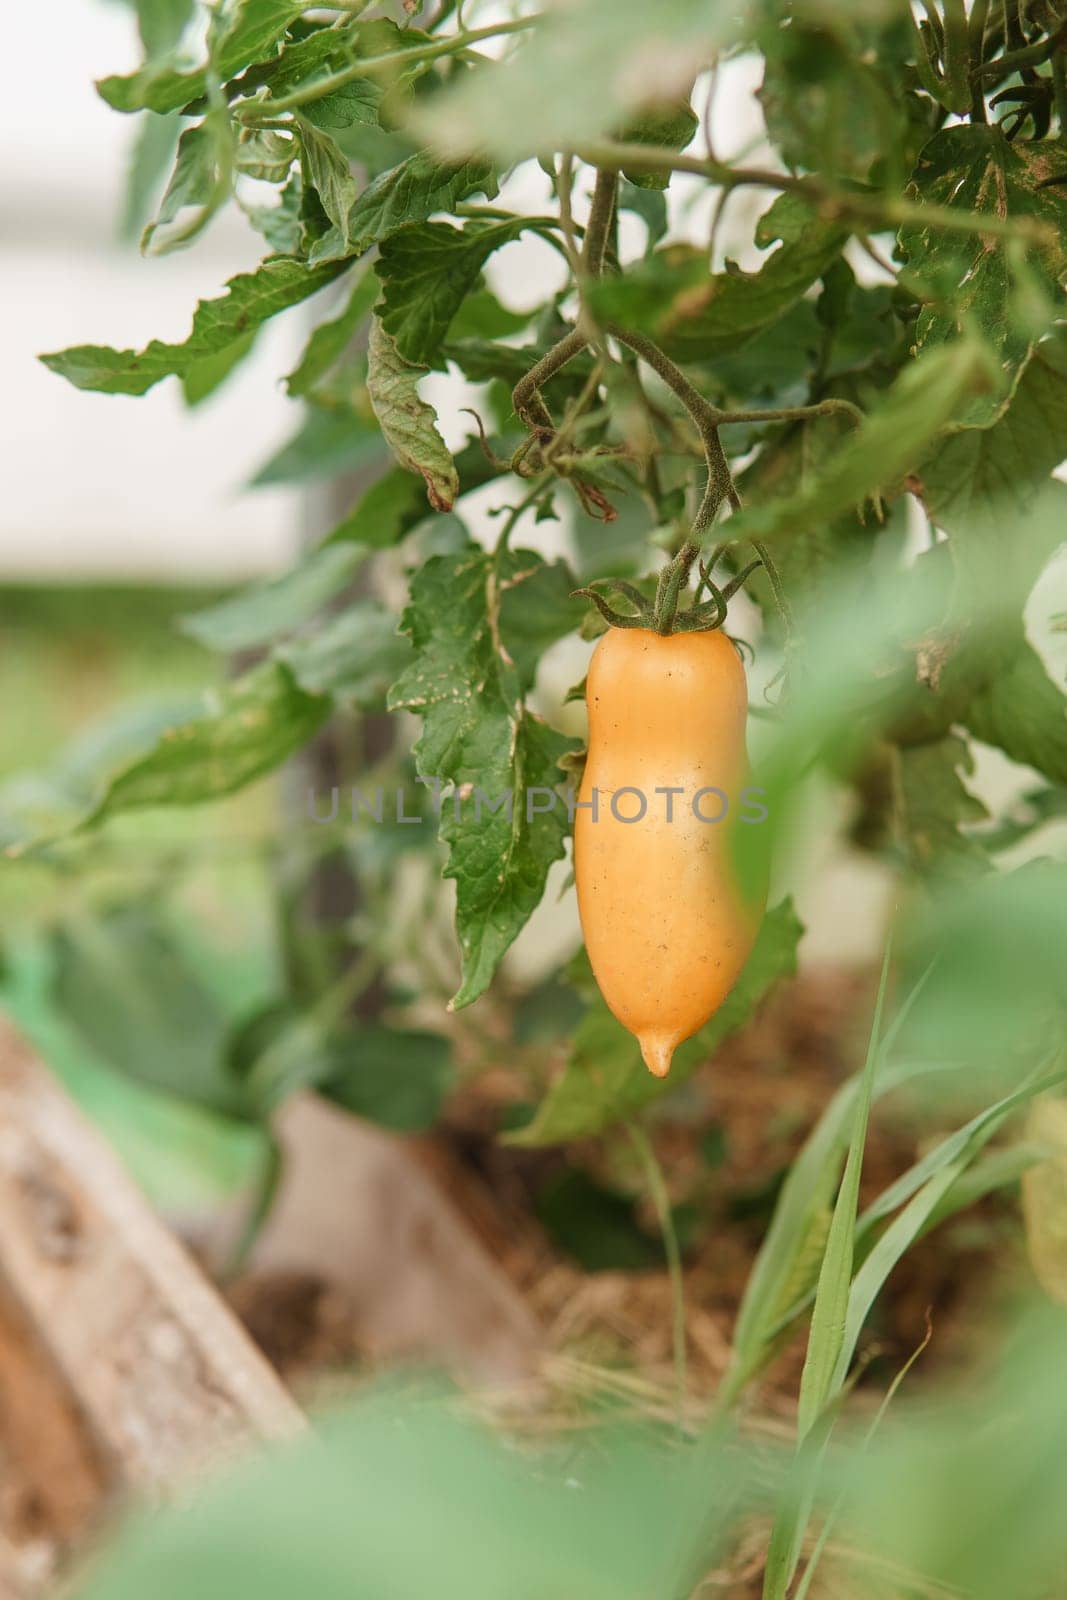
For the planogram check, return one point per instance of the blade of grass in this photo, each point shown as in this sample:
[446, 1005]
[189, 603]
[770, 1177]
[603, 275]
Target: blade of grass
[806, 1194]
[804, 1586]
[827, 1335]
[969, 1139]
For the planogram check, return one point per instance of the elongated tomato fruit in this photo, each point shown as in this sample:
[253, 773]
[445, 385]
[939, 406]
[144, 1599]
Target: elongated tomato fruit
[665, 923]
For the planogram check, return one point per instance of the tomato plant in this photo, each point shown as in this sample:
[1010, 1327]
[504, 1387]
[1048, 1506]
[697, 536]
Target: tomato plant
[801, 394]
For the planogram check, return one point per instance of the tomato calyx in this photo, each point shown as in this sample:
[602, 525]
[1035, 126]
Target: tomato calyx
[662, 615]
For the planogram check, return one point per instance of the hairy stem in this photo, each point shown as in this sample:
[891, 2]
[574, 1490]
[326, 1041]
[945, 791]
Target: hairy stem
[831, 204]
[526, 396]
[1031, 55]
[373, 66]
[598, 228]
[957, 57]
[831, 406]
[704, 415]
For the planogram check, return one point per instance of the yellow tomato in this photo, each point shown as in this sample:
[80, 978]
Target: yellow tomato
[665, 923]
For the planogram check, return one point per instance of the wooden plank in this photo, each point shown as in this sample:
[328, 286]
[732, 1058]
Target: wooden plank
[359, 1209]
[161, 1370]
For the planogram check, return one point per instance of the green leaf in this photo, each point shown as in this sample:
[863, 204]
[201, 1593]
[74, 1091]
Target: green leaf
[696, 314]
[384, 513]
[595, 1225]
[250, 299]
[405, 1493]
[303, 62]
[327, 171]
[669, 128]
[606, 1081]
[252, 29]
[126, 986]
[264, 610]
[427, 271]
[193, 182]
[354, 656]
[353, 105]
[890, 442]
[650, 205]
[996, 993]
[280, 224]
[331, 340]
[327, 442]
[410, 192]
[474, 663]
[1022, 712]
[265, 155]
[585, 69]
[980, 483]
[248, 727]
[827, 109]
[826, 1334]
[784, 1269]
[397, 1078]
[161, 23]
[151, 156]
[481, 316]
[208, 374]
[934, 803]
[408, 422]
[977, 282]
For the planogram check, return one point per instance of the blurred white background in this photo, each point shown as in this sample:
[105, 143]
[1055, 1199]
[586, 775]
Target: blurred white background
[105, 485]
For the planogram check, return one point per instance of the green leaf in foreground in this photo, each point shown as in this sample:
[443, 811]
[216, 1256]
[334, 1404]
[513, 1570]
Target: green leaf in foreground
[479, 736]
[265, 610]
[408, 423]
[606, 1081]
[248, 728]
[979, 282]
[404, 1493]
[250, 299]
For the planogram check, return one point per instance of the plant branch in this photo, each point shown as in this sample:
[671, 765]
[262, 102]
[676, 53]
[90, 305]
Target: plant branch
[392, 61]
[832, 406]
[957, 57]
[526, 395]
[925, 59]
[1031, 55]
[831, 204]
[598, 228]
